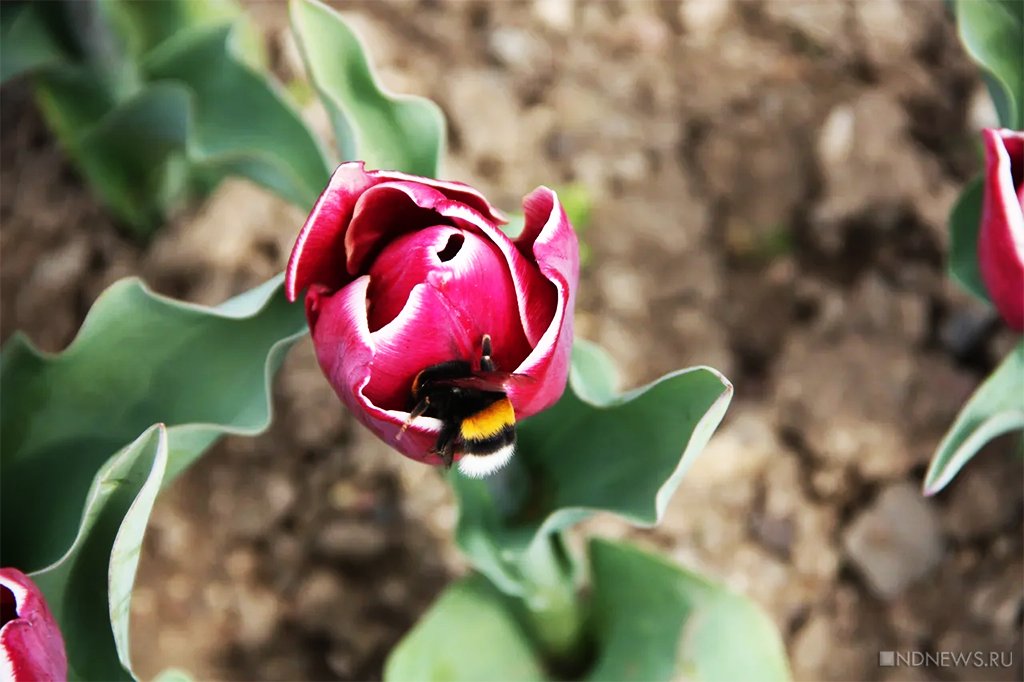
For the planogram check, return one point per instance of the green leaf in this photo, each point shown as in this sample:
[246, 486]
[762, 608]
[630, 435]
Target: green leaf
[241, 123]
[27, 41]
[995, 408]
[469, 634]
[139, 359]
[595, 450]
[89, 588]
[145, 26]
[656, 621]
[578, 204]
[964, 223]
[386, 131]
[134, 157]
[992, 31]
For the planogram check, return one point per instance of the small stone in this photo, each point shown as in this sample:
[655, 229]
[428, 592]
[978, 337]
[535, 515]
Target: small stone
[319, 599]
[704, 18]
[258, 613]
[895, 541]
[835, 141]
[518, 48]
[348, 540]
[555, 14]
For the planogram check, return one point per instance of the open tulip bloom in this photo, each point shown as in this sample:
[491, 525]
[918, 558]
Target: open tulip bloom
[405, 274]
[1001, 235]
[31, 646]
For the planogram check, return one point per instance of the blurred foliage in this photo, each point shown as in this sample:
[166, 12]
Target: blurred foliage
[469, 634]
[157, 101]
[578, 204]
[992, 32]
[964, 226]
[649, 620]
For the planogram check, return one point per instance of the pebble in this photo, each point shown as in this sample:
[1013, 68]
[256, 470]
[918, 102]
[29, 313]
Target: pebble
[895, 541]
[348, 540]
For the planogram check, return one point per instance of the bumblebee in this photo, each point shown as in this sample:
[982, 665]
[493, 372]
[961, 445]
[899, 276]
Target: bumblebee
[477, 419]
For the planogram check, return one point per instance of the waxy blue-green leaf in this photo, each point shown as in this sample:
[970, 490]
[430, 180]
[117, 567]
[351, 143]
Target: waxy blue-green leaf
[397, 132]
[992, 31]
[240, 122]
[595, 450]
[996, 407]
[649, 620]
[139, 359]
[653, 620]
[469, 634]
[144, 26]
[27, 40]
[89, 588]
[964, 224]
[181, 79]
[134, 156]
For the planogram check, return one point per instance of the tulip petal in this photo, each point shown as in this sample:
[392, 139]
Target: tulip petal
[1001, 237]
[550, 238]
[317, 257]
[473, 281]
[386, 212]
[31, 646]
[425, 333]
[535, 294]
[456, 191]
[346, 352]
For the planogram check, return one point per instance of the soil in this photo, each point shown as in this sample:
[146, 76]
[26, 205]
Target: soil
[770, 184]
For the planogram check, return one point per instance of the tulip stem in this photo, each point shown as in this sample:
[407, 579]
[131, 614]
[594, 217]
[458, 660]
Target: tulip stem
[552, 604]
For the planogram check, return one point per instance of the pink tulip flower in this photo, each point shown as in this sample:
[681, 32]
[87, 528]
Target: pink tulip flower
[405, 272]
[1001, 237]
[31, 647]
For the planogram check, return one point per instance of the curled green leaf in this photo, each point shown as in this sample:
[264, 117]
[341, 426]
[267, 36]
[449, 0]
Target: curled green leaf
[992, 31]
[997, 407]
[595, 450]
[469, 634]
[395, 132]
[656, 621]
[240, 121]
[89, 588]
[139, 359]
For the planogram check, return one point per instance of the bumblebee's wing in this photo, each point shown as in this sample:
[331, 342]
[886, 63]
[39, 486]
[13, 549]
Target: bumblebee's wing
[488, 381]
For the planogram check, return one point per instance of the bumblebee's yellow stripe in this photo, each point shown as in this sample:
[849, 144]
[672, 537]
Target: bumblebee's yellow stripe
[488, 421]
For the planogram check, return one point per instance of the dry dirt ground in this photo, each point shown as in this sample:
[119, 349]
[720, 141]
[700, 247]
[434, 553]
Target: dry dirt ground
[771, 181]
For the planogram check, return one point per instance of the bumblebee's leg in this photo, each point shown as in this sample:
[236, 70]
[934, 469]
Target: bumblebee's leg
[445, 447]
[421, 407]
[448, 454]
[486, 362]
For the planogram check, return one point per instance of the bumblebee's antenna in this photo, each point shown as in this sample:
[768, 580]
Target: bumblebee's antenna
[486, 363]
